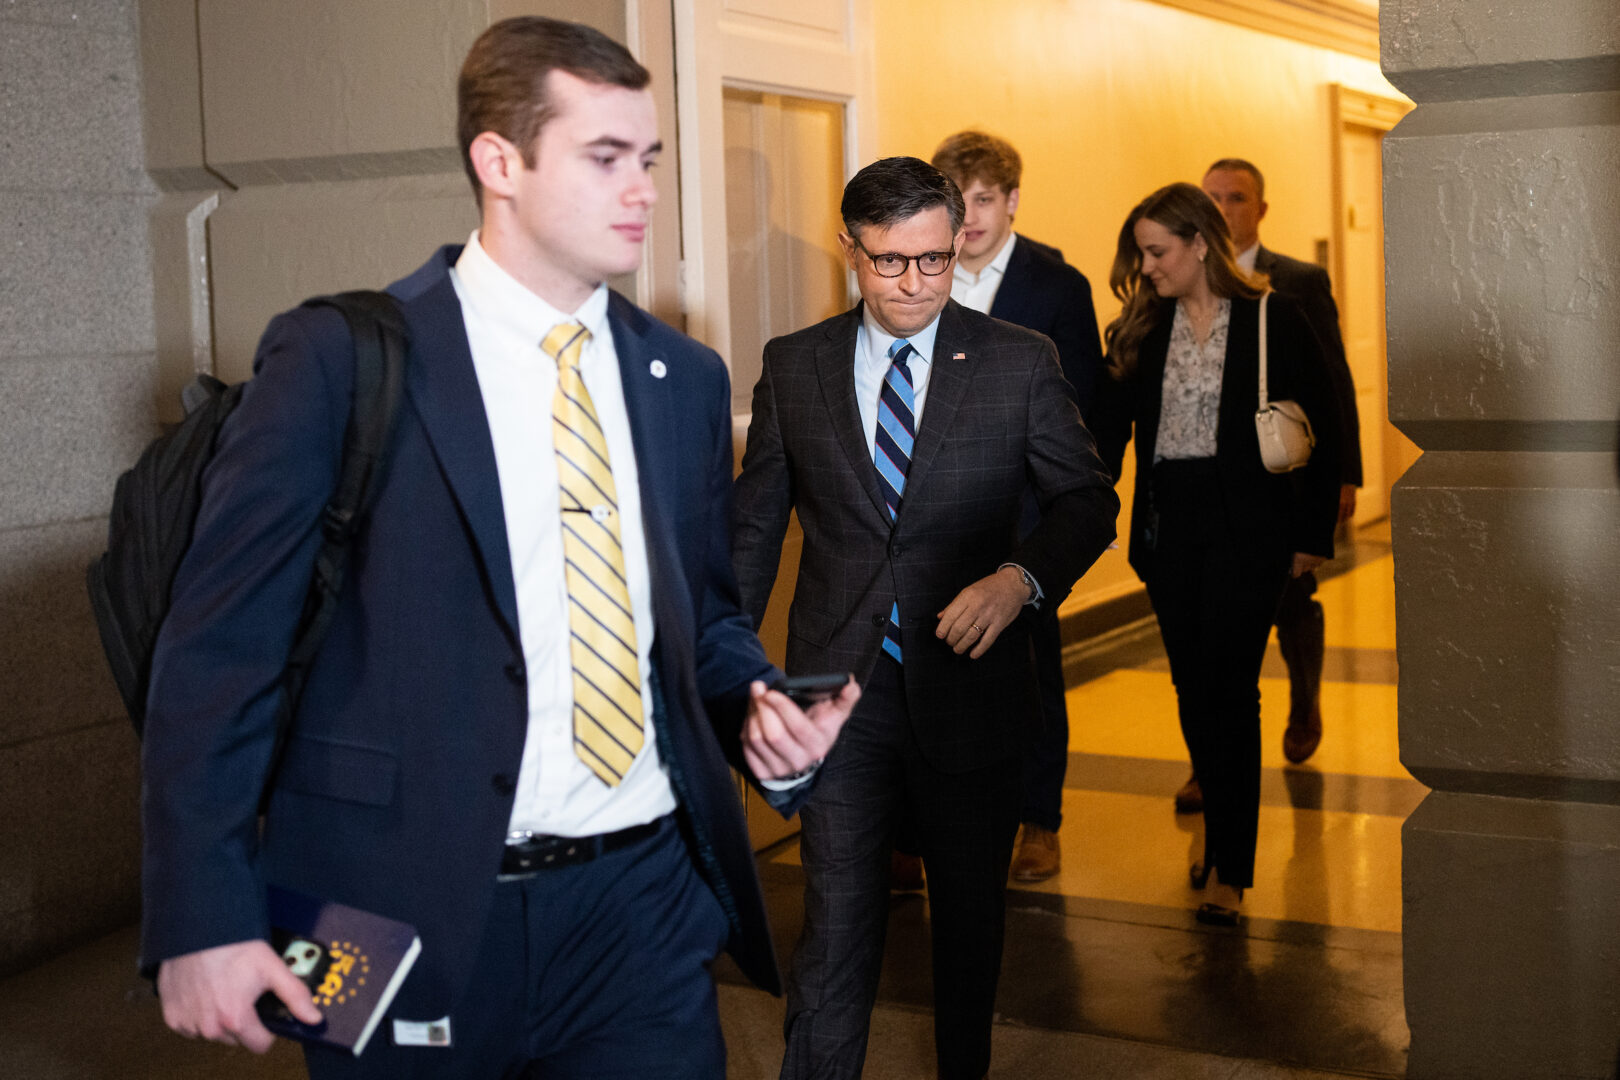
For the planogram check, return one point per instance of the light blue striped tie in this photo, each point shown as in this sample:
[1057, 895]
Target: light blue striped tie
[896, 434]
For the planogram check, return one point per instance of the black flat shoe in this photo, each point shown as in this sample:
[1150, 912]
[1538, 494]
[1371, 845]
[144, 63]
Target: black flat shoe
[1198, 875]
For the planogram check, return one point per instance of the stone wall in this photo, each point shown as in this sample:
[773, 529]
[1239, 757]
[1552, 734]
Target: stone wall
[172, 173]
[77, 386]
[1502, 205]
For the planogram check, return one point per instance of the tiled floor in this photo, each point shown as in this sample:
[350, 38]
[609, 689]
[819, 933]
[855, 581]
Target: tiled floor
[1106, 975]
[1109, 947]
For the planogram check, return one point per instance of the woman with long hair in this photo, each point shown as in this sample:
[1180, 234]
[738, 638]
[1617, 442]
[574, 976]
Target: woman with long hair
[1214, 535]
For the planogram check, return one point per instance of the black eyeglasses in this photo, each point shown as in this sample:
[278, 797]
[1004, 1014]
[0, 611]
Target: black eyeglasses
[893, 264]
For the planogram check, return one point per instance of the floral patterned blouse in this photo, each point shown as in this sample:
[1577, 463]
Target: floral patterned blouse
[1190, 407]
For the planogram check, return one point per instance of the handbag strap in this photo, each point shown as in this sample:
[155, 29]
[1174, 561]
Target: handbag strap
[1264, 401]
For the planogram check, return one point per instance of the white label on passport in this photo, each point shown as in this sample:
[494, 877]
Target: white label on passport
[422, 1032]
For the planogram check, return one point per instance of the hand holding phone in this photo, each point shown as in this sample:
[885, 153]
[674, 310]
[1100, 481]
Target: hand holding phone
[806, 690]
[779, 743]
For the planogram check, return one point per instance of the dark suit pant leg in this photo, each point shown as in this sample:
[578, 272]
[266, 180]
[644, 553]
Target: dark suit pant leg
[598, 970]
[1300, 633]
[1215, 601]
[966, 826]
[1046, 753]
[848, 830]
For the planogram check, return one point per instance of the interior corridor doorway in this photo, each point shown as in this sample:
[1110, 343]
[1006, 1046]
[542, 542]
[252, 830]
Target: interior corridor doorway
[772, 100]
[1360, 121]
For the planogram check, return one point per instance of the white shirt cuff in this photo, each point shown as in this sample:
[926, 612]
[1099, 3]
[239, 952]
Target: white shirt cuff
[788, 783]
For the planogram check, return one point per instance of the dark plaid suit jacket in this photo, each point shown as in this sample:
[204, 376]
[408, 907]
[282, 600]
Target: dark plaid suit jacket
[996, 417]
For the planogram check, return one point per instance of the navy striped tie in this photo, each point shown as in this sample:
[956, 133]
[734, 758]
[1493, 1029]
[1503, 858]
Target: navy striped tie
[896, 431]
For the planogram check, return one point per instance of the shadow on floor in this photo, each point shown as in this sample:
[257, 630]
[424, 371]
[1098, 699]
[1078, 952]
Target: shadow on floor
[1298, 994]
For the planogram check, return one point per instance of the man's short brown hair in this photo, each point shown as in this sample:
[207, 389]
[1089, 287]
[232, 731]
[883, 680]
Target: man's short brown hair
[972, 155]
[503, 80]
[1237, 164]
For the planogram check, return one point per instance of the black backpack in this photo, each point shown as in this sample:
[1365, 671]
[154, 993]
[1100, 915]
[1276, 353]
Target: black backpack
[154, 510]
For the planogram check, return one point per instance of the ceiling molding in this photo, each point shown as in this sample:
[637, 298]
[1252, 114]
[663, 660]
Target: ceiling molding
[1348, 26]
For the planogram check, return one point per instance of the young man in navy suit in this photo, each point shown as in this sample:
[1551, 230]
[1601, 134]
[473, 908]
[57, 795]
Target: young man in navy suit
[516, 736]
[1009, 276]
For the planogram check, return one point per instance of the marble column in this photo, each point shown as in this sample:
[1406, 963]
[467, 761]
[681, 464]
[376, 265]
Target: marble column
[1502, 206]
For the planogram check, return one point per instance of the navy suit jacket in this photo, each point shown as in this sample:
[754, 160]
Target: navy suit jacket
[1042, 292]
[397, 784]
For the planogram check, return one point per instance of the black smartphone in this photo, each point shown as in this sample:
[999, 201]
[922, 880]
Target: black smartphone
[806, 690]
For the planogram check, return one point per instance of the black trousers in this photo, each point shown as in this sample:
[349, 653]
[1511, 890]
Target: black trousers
[1215, 600]
[1046, 752]
[962, 825]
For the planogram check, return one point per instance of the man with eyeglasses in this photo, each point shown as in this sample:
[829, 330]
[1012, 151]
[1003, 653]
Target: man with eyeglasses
[904, 432]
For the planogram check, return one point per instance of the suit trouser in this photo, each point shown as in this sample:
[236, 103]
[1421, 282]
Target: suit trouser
[1215, 600]
[1298, 603]
[1046, 753]
[1301, 630]
[594, 970]
[963, 825]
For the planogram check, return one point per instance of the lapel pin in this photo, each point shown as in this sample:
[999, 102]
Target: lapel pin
[959, 356]
[658, 369]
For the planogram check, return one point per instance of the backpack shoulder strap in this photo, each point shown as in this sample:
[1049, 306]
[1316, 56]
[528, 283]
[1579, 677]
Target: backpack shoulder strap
[380, 348]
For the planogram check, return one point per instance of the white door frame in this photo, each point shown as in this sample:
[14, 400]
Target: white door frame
[804, 48]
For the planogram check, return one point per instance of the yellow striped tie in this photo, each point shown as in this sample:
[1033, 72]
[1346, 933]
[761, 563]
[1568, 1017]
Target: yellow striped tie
[608, 725]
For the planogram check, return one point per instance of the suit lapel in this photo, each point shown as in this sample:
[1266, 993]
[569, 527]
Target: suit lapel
[443, 388]
[647, 405]
[1014, 291]
[950, 373]
[1150, 358]
[1240, 379]
[835, 366]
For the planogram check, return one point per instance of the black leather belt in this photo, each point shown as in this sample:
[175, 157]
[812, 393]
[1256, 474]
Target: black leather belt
[543, 852]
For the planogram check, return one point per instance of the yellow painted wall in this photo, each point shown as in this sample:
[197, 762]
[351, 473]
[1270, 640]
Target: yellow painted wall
[1107, 100]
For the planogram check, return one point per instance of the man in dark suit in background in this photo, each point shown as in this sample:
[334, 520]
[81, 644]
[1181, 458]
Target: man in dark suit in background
[1239, 189]
[904, 432]
[516, 735]
[1009, 276]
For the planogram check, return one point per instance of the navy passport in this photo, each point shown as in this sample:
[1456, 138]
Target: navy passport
[352, 961]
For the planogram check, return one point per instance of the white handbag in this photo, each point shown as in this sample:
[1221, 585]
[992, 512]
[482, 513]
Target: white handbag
[1285, 431]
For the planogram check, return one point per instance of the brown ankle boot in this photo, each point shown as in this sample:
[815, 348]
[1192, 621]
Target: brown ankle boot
[1039, 856]
[1190, 797]
[905, 872]
[1302, 646]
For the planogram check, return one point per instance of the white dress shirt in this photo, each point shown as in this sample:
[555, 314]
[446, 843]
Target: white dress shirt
[1246, 258]
[978, 291]
[872, 365]
[556, 792]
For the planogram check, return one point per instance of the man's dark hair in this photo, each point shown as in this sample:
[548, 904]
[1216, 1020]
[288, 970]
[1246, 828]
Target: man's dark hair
[503, 80]
[1237, 164]
[896, 189]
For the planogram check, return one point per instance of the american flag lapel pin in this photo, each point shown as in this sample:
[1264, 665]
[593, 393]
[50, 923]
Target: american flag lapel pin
[959, 356]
